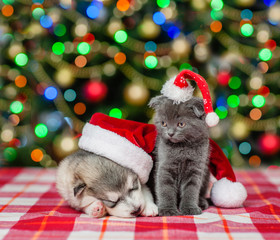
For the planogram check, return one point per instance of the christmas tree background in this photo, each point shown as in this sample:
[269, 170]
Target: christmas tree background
[61, 61]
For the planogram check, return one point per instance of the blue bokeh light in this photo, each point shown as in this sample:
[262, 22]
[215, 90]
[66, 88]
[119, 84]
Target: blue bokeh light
[50, 93]
[269, 3]
[70, 95]
[245, 148]
[173, 32]
[93, 11]
[54, 121]
[246, 14]
[159, 18]
[221, 101]
[150, 46]
[46, 21]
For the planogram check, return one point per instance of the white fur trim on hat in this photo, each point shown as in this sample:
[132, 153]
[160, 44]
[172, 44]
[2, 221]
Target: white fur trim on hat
[228, 194]
[212, 119]
[173, 92]
[117, 148]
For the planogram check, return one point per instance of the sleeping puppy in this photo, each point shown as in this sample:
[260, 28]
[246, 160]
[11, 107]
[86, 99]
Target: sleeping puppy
[97, 186]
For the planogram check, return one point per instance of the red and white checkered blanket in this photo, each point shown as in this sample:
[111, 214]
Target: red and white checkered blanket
[30, 208]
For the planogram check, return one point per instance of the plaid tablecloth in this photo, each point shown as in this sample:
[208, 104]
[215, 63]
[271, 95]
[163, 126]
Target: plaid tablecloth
[30, 208]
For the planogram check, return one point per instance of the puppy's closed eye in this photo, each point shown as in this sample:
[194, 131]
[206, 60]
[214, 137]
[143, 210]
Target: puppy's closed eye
[109, 203]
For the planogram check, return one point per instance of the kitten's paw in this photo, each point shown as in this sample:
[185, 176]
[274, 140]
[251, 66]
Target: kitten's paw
[191, 210]
[168, 212]
[150, 210]
[96, 209]
[203, 203]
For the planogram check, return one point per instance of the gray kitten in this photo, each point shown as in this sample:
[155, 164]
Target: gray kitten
[182, 156]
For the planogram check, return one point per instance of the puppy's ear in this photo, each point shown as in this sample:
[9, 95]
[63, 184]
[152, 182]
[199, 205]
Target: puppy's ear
[156, 101]
[198, 109]
[79, 189]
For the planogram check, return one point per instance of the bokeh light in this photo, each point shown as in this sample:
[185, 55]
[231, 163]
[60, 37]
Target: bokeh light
[10, 154]
[217, 5]
[21, 59]
[16, 107]
[159, 18]
[234, 82]
[95, 91]
[59, 30]
[255, 114]
[83, 48]
[150, 46]
[80, 108]
[247, 30]
[163, 3]
[151, 62]
[41, 130]
[50, 93]
[116, 113]
[92, 11]
[80, 61]
[7, 10]
[216, 26]
[46, 21]
[58, 48]
[20, 81]
[70, 95]
[120, 58]
[245, 148]
[233, 101]
[38, 12]
[120, 36]
[265, 54]
[222, 112]
[246, 14]
[258, 101]
[37, 155]
[255, 161]
[123, 5]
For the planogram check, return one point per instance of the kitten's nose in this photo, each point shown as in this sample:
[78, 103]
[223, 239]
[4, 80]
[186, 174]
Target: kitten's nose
[171, 134]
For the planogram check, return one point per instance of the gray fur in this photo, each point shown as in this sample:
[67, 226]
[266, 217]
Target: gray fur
[182, 156]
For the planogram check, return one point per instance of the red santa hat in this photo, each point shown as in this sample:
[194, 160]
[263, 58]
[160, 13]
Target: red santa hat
[125, 142]
[226, 191]
[179, 90]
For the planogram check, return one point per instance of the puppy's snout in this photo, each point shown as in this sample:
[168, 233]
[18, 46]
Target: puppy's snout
[136, 212]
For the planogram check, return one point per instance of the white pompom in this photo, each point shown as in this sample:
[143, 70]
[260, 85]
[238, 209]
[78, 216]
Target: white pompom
[228, 194]
[212, 119]
[175, 93]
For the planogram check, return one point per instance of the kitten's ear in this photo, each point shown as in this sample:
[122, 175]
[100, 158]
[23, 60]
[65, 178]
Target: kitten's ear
[79, 188]
[198, 109]
[156, 101]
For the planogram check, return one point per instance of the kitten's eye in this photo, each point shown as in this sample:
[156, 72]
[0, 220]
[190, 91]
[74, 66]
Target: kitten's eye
[180, 124]
[164, 124]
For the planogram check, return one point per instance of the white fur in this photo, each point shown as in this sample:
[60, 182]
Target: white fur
[117, 148]
[64, 184]
[176, 93]
[130, 202]
[212, 119]
[228, 194]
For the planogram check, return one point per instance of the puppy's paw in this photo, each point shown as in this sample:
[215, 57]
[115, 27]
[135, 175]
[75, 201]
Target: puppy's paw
[96, 209]
[168, 212]
[150, 210]
[191, 210]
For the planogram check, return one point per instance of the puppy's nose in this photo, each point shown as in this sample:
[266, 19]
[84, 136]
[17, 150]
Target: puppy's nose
[136, 212]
